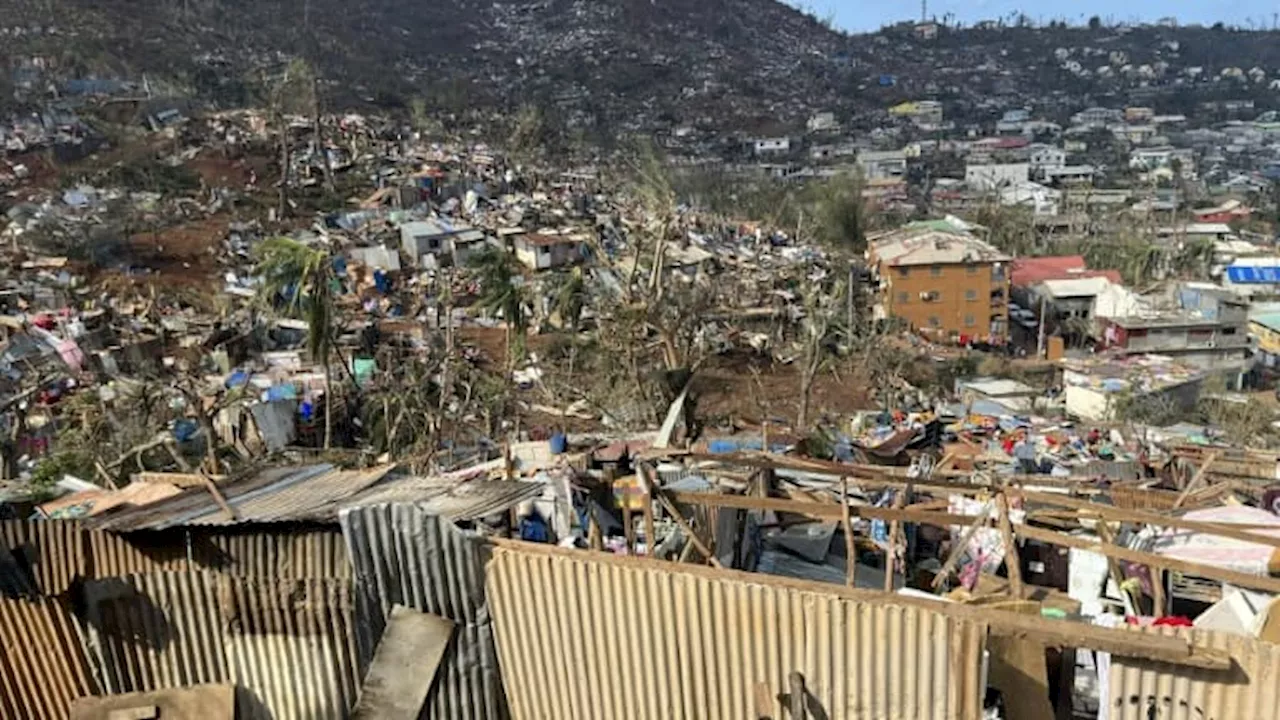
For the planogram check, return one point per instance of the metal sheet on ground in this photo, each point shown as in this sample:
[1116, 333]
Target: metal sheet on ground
[404, 666]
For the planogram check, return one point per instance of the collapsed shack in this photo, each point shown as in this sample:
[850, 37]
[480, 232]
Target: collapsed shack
[296, 570]
[333, 574]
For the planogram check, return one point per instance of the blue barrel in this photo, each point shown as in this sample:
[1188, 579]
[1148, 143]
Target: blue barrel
[559, 444]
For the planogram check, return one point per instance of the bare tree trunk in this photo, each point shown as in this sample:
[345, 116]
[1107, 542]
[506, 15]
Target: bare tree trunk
[328, 406]
[318, 132]
[283, 202]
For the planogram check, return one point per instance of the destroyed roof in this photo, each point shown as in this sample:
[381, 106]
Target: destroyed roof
[277, 495]
[1075, 287]
[933, 247]
[451, 499]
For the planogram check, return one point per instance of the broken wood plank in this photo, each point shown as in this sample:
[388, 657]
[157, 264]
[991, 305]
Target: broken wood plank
[817, 511]
[684, 527]
[1011, 558]
[404, 665]
[1195, 481]
[958, 550]
[895, 531]
[1258, 582]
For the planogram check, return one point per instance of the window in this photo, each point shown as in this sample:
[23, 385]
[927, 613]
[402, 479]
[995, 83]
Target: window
[903, 272]
[544, 249]
[936, 271]
[971, 269]
[935, 322]
[1229, 331]
[931, 296]
[434, 243]
[969, 321]
[970, 295]
[904, 298]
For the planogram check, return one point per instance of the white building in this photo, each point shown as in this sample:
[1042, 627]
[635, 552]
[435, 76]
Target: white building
[772, 146]
[996, 175]
[1044, 157]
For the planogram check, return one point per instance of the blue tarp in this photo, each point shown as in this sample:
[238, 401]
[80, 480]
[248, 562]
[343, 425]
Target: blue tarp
[1242, 274]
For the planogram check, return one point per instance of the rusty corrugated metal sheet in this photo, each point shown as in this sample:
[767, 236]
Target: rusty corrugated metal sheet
[52, 549]
[402, 555]
[293, 555]
[584, 636]
[43, 668]
[155, 631]
[304, 626]
[450, 498]
[1142, 689]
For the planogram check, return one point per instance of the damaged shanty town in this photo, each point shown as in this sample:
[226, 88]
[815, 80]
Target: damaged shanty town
[322, 411]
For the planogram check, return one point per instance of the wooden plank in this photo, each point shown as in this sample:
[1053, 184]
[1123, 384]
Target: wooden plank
[1109, 512]
[404, 665]
[1196, 480]
[1269, 584]
[958, 550]
[817, 511]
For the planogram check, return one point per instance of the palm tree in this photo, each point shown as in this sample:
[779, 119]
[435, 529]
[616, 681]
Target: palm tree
[300, 280]
[571, 299]
[502, 292]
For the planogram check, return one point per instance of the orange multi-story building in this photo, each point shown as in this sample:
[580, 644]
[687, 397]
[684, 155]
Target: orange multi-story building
[948, 284]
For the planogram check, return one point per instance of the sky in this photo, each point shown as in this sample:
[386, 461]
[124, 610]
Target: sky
[862, 15]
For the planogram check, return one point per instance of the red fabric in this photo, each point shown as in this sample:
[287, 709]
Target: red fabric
[1173, 621]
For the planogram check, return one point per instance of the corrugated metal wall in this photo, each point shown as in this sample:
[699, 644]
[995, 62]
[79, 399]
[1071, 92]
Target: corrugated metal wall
[1142, 689]
[42, 664]
[403, 556]
[291, 645]
[297, 554]
[587, 637]
[54, 552]
[150, 632]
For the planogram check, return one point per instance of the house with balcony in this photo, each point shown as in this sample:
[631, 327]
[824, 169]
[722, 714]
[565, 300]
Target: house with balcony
[947, 284]
[1208, 329]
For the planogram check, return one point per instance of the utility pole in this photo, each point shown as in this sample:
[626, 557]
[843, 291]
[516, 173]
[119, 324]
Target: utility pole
[1040, 336]
[924, 10]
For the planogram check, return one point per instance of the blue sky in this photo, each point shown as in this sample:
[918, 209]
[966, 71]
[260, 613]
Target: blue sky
[858, 15]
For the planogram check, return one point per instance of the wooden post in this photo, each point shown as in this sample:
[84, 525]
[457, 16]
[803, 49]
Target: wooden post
[650, 542]
[1011, 558]
[797, 697]
[684, 526]
[629, 526]
[895, 530]
[1157, 591]
[850, 549]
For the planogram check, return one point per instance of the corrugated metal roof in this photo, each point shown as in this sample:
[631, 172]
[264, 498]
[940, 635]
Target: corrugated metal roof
[451, 499]
[290, 494]
[1141, 689]
[588, 636]
[403, 555]
[42, 662]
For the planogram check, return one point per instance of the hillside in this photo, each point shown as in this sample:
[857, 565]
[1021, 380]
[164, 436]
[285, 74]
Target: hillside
[618, 64]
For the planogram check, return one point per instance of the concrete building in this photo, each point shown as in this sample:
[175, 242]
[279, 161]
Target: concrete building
[542, 252]
[949, 284]
[996, 176]
[437, 238]
[1209, 330]
[882, 164]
